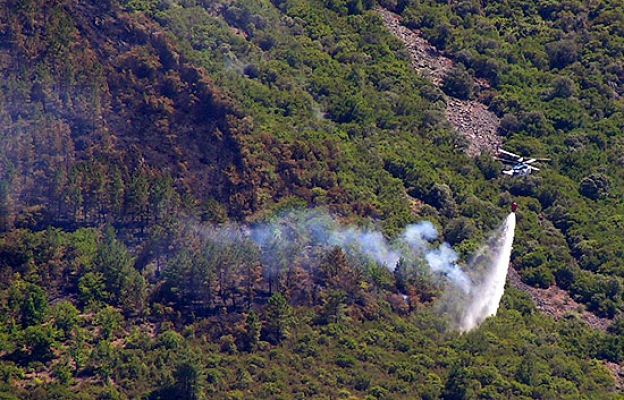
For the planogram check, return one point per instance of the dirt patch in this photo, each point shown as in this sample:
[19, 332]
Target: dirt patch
[556, 302]
[618, 373]
[470, 118]
[476, 123]
[426, 58]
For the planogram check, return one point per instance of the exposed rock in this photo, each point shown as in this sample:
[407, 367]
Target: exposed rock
[470, 118]
[557, 303]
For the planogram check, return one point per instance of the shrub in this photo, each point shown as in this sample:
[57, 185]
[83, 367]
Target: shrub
[488, 166]
[92, 289]
[441, 35]
[535, 124]
[170, 340]
[563, 87]
[379, 393]
[110, 321]
[459, 229]
[562, 53]
[361, 382]
[459, 83]
[595, 186]
[441, 197]
[65, 317]
[345, 361]
[227, 344]
[509, 125]
[540, 277]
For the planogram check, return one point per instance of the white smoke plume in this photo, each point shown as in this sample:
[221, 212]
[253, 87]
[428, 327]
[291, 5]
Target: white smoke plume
[297, 230]
[471, 294]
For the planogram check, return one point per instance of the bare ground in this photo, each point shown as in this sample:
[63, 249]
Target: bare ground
[470, 118]
[557, 303]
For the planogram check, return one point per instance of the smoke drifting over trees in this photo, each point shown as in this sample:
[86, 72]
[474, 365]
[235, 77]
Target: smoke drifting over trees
[302, 239]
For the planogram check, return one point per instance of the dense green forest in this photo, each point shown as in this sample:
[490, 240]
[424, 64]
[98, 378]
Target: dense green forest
[130, 128]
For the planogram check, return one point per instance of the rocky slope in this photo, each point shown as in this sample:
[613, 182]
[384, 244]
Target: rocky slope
[471, 118]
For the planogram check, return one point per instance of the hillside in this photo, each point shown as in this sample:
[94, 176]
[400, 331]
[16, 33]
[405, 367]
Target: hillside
[142, 140]
[98, 104]
[553, 98]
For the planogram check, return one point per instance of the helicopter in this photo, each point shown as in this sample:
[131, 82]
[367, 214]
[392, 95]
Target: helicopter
[519, 165]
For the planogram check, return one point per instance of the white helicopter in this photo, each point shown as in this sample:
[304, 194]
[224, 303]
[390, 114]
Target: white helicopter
[519, 165]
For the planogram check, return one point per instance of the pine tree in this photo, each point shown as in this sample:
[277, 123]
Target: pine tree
[333, 310]
[251, 332]
[400, 276]
[252, 281]
[117, 193]
[123, 282]
[279, 319]
[28, 302]
[138, 198]
[189, 380]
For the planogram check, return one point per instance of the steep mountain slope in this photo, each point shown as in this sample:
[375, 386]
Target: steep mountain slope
[470, 118]
[168, 120]
[553, 98]
[95, 100]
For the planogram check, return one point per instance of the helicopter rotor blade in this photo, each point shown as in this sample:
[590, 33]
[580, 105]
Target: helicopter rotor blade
[508, 153]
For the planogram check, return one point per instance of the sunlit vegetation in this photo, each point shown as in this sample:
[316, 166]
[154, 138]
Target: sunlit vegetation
[555, 99]
[124, 123]
[208, 332]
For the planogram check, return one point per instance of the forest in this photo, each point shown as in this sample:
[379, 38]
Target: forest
[132, 130]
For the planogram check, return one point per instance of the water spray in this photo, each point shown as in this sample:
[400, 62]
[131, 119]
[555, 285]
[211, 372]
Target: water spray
[493, 259]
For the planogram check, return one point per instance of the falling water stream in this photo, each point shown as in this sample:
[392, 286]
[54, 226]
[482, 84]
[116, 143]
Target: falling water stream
[485, 295]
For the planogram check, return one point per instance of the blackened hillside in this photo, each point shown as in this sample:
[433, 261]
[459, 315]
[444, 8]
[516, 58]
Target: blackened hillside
[97, 108]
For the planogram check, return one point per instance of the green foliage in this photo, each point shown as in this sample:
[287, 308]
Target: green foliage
[110, 322]
[595, 186]
[535, 82]
[92, 289]
[125, 285]
[251, 332]
[29, 303]
[189, 380]
[459, 229]
[65, 317]
[458, 83]
[238, 109]
[562, 53]
[279, 319]
[63, 373]
[170, 340]
[334, 307]
[102, 359]
[40, 341]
